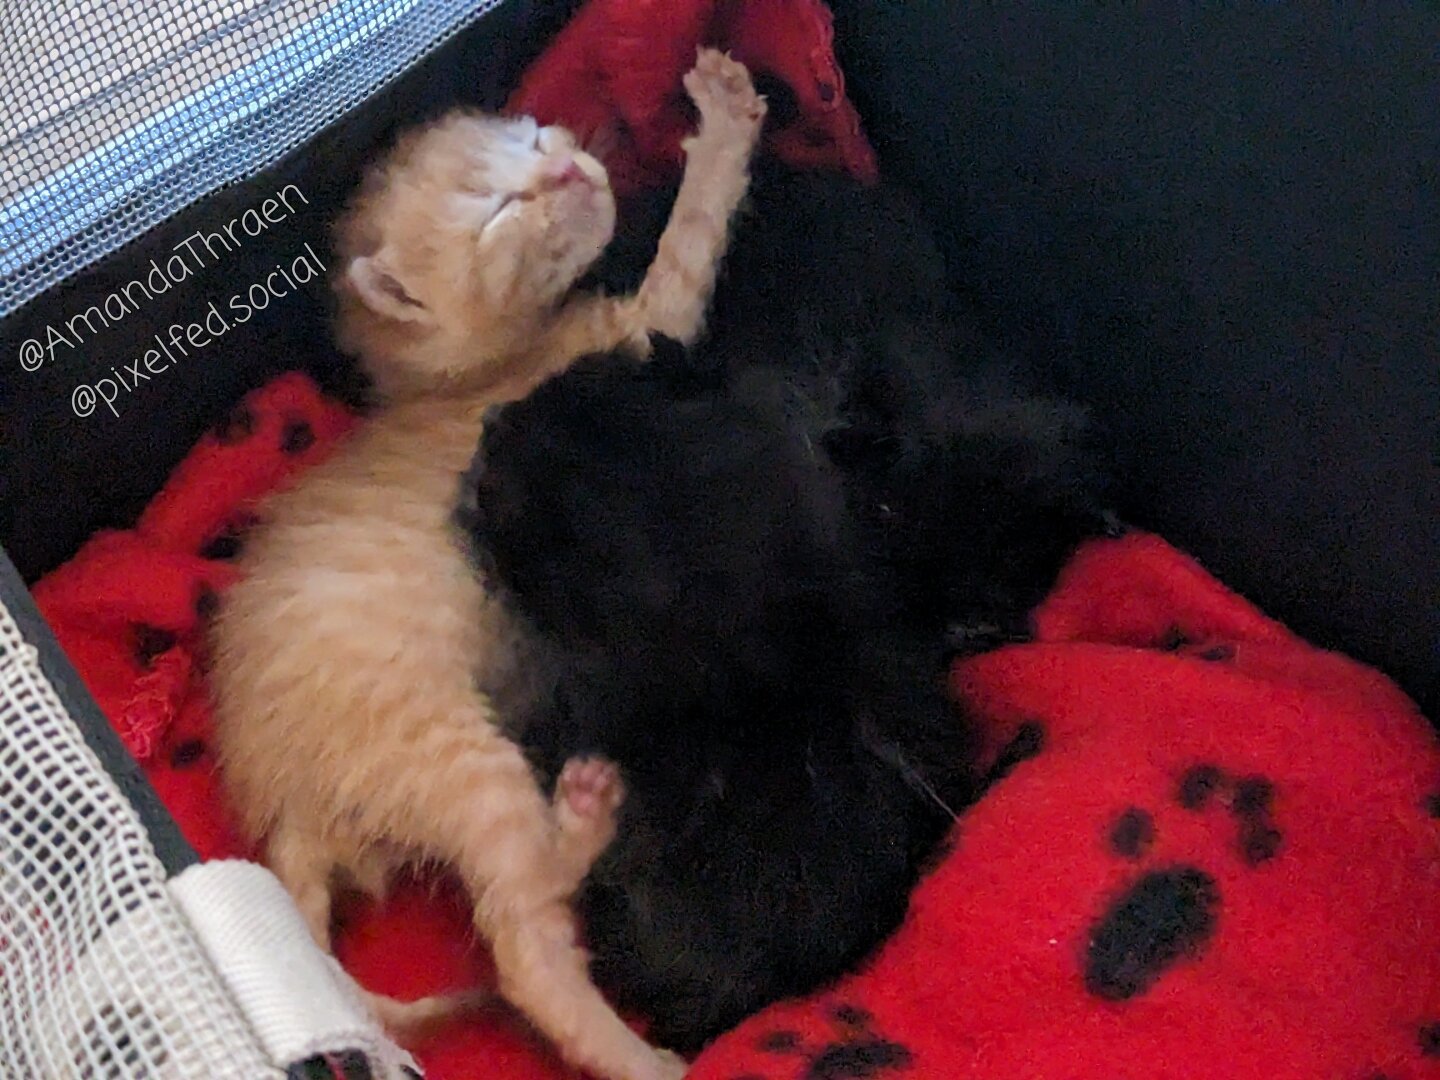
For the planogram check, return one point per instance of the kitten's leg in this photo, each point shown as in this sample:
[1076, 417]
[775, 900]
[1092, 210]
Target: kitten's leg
[587, 795]
[370, 870]
[305, 867]
[678, 286]
[467, 795]
[676, 292]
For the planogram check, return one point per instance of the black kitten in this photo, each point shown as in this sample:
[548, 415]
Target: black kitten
[715, 624]
[972, 486]
[740, 564]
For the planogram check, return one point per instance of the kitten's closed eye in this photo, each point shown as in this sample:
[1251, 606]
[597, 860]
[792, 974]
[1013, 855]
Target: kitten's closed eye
[513, 197]
[522, 130]
[479, 210]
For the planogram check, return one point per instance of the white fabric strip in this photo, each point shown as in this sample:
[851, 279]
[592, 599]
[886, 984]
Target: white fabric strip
[298, 1000]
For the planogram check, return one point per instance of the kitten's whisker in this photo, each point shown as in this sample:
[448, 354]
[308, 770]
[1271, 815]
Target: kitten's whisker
[913, 775]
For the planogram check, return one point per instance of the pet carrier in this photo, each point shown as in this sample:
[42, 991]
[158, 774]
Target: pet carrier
[1217, 228]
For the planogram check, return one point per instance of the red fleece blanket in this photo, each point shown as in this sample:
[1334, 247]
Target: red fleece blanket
[1216, 852]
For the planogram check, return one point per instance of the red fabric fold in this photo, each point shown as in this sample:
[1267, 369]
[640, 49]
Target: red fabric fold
[613, 76]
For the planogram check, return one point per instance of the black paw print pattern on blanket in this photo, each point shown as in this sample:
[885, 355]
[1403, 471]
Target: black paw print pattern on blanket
[855, 1051]
[1171, 911]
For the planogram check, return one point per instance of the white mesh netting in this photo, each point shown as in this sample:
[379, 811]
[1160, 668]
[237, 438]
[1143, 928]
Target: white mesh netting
[115, 115]
[100, 974]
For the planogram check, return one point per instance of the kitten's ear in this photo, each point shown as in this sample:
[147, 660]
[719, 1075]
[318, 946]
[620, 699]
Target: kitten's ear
[382, 290]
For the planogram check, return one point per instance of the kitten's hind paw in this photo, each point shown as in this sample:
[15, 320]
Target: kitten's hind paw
[587, 794]
[722, 90]
[589, 788]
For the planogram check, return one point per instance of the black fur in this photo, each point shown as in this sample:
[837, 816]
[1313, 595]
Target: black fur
[730, 643]
[973, 486]
[740, 562]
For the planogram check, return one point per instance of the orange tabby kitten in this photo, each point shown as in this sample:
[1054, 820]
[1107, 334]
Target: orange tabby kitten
[352, 725]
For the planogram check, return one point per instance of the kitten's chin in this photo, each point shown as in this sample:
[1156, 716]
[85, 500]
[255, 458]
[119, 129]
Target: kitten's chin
[589, 216]
[589, 231]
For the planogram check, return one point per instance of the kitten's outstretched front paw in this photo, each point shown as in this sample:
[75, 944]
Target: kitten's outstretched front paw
[723, 92]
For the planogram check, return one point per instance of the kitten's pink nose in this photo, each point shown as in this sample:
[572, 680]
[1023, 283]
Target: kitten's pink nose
[559, 173]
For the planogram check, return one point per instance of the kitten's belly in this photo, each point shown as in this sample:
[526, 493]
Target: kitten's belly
[365, 542]
[356, 609]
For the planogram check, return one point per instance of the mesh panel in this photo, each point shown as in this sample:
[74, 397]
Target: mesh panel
[118, 114]
[100, 974]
